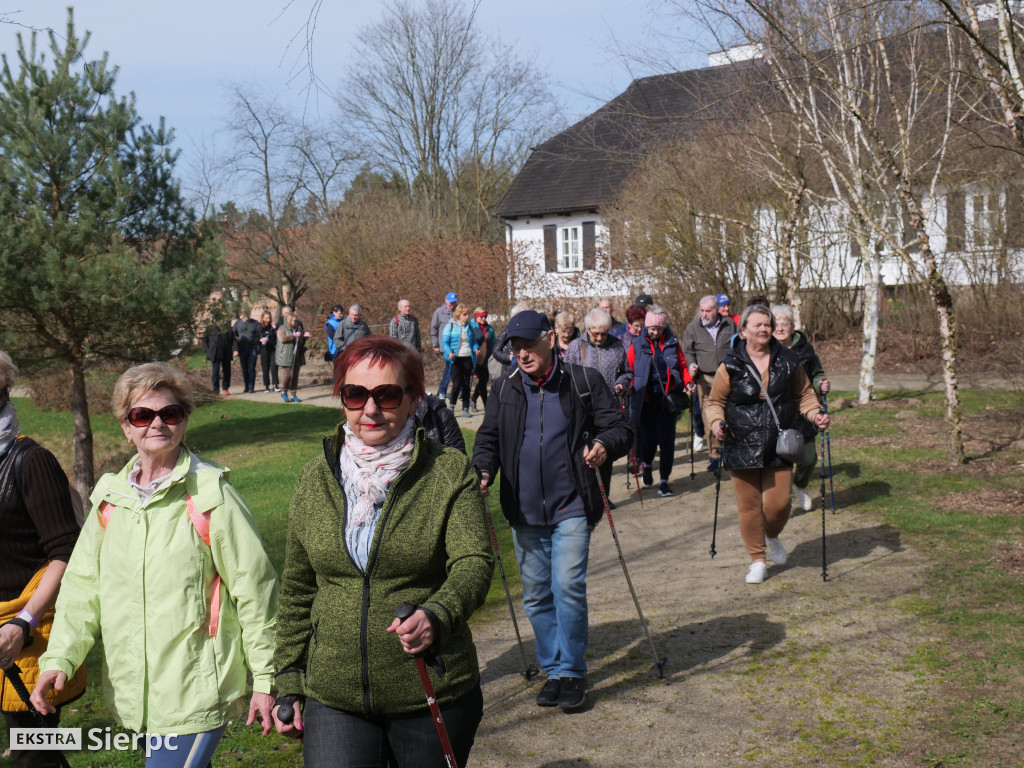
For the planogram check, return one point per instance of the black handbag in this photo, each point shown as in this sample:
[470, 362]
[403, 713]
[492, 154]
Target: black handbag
[674, 401]
[789, 445]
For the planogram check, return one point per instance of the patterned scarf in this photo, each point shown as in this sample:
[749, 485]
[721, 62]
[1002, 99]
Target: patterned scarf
[8, 423]
[370, 470]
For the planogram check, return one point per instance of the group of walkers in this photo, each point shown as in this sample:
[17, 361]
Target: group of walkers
[388, 548]
[280, 348]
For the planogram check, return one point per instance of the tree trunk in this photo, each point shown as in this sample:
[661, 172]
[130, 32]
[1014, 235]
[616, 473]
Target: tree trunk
[869, 344]
[84, 472]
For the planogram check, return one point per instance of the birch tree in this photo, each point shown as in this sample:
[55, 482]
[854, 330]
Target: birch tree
[874, 87]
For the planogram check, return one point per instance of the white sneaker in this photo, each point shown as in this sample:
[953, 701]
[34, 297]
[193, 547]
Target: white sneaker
[698, 443]
[802, 499]
[776, 551]
[756, 573]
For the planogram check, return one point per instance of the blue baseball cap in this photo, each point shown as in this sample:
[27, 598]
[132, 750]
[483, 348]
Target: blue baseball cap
[723, 299]
[528, 324]
[451, 297]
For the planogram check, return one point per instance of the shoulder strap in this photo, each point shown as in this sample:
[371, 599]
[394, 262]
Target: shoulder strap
[757, 378]
[201, 523]
[19, 456]
[587, 399]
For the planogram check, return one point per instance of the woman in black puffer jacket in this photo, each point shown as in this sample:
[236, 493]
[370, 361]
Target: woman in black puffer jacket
[740, 417]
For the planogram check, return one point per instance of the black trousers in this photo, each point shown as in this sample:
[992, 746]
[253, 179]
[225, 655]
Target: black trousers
[462, 376]
[343, 740]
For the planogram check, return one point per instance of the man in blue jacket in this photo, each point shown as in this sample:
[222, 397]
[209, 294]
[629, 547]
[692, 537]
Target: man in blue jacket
[548, 426]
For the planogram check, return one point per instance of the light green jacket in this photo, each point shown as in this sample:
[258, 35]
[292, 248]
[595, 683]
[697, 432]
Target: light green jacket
[144, 584]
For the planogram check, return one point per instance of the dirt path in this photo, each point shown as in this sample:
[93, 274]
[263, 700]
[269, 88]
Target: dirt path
[796, 671]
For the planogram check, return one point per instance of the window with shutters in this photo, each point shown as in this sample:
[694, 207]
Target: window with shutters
[569, 250]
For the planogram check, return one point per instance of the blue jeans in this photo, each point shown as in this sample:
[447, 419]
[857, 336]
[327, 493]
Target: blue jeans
[247, 359]
[553, 566]
[215, 377]
[446, 377]
[191, 751]
[337, 739]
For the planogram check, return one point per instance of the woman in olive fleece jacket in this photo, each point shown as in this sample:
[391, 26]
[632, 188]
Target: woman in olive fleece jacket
[430, 548]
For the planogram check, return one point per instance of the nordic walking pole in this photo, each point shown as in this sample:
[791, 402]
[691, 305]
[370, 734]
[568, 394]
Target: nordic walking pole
[718, 490]
[693, 436]
[824, 562]
[714, 525]
[659, 661]
[632, 460]
[529, 671]
[14, 677]
[402, 612]
[828, 444]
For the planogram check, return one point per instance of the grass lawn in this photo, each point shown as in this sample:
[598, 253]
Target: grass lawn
[888, 460]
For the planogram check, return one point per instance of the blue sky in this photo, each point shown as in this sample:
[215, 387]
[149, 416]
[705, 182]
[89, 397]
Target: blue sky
[180, 57]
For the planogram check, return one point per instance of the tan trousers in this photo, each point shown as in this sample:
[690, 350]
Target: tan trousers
[763, 502]
[704, 382]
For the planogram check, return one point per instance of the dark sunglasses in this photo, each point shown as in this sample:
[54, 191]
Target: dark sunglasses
[386, 396]
[169, 414]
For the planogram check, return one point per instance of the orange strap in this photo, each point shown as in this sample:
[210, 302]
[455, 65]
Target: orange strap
[201, 522]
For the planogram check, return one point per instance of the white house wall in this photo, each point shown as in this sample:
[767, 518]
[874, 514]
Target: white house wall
[528, 278]
[832, 263]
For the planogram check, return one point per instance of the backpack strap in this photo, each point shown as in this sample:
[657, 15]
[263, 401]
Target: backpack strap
[201, 524]
[587, 399]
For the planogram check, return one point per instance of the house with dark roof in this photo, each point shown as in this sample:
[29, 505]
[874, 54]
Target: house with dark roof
[561, 244]
[563, 247]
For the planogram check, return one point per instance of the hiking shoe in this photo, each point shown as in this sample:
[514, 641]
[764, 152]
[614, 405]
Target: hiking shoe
[756, 573]
[277, 389]
[549, 694]
[776, 552]
[802, 499]
[473, 406]
[465, 413]
[284, 396]
[663, 489]
[295, 399]
[648, 477]
[225, 392]
[266, 390]
[573, 693]
[698, 443]
[713, 465]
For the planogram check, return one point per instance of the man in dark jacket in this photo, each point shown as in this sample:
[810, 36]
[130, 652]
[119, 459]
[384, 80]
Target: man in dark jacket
[548, 426]
[218, 345]
[705, 345]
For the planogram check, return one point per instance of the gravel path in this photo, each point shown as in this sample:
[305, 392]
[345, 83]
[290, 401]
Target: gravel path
[796, 671]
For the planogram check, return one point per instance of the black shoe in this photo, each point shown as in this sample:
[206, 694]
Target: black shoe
[663, 489]
[550, 695]
[648, 478]
[713, 465]
[573, 694]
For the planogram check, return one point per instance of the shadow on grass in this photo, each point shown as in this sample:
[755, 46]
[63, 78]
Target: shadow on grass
[900, 394]
[846, 545]
[261, 424]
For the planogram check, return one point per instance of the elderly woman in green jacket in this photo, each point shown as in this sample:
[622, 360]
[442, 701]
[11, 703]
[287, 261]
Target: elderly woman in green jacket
[170, 571]
[385, 516]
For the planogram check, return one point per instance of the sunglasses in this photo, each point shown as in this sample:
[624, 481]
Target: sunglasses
[386, 396]
[169, 414]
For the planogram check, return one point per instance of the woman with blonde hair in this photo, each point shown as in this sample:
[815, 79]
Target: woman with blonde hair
[457, 348]
[170, 571]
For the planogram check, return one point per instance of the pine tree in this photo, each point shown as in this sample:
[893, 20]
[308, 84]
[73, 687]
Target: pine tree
[100, 259]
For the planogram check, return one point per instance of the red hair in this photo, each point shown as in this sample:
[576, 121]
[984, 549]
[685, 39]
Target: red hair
[636, 312]
[382, 351]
